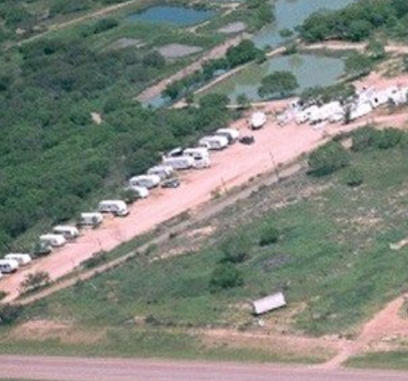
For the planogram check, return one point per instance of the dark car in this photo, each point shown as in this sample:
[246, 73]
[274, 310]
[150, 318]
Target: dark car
[247, 140]
[171, 183]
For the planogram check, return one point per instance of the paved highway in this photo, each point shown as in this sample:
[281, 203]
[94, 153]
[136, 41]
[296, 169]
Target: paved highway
[86, 369]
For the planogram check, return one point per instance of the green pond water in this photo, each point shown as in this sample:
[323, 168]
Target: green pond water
[291, 13]
[310, 70]
[175, 15]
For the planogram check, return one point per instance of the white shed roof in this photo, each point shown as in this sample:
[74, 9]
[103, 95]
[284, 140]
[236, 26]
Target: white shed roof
[269, 303]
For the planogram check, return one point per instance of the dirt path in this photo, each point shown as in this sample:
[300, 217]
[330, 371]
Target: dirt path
[88, 16]
[217, 52]
[385, 323]
[343, 45]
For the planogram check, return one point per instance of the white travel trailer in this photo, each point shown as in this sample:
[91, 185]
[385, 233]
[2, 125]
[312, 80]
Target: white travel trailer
[141, 192]
[258, 119]
[397, 95]
[147, 181]
[22, 259]
[214, 142]
[180, 162]
[359, 110]
[91, 219]
[69, 232]
[202, 163]
[116, 207]
[163, 171]
[232, 134]
[8, 266]
[55, 240]
[197, 153]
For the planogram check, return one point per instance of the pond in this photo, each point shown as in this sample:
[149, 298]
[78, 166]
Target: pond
[310, 70]
[173, 15]
[291, 13]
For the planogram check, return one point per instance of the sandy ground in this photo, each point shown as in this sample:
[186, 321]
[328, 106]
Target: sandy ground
[178, 50]
[232, 167]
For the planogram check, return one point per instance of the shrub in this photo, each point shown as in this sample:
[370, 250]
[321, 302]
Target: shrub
[353, 177]
[9, 313]
[236, 249]
[364, 138]
[389, 138]
[33, 281]
[328, 159]
[269, 235]
[225, 276]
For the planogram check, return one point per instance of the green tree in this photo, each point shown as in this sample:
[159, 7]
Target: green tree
[376, 49]
[243, 101]
[236, 249]
[328, 159]
[225, 276]
[358, 64]
[281, 83]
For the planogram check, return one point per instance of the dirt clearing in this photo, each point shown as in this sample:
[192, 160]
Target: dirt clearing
[172, 51]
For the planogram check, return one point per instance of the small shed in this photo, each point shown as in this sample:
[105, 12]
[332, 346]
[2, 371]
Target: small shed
[269, 303]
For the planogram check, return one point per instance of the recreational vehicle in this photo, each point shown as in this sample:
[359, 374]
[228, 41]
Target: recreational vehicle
[174, 152]
[8, 266]
[163, 171]
[54, 240]
[147, 181]
[258, 119]
[197, 153]
[180, 162]
[214, 142]
[141, 192]
[202, 163]
[22, 259]
[69, 232]
[360, 109]
[116, 207]
[231, 134]
[91, 219]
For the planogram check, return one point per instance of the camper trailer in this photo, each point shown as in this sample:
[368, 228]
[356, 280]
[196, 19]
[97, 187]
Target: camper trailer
[147, 181]
[180, 162]
[202, 163]
[91, 219]
[258, 119]
[54, 240]
[69, 232]
[232, 134]
[197, 153]
[214, 142]
[360, 109]
[141, 192]
[116, 207]
[163, 171]
[8, 266]
[22, 259]
[175, 152]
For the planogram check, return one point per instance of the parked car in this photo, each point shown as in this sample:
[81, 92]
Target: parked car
[171, 183]
[248, 140]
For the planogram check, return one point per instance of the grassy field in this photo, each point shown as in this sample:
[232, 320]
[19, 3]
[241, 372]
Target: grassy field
[333, 238]
[397, 360]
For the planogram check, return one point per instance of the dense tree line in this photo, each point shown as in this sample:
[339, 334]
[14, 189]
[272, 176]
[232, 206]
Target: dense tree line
[357, 21]
[53, 158]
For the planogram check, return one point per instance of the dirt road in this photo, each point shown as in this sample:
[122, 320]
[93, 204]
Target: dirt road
[230, 168]
[85, 369]
[217, 52]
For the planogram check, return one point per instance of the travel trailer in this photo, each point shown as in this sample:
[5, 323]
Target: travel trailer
[54, 240]
[214, 142]
[69, 232]
[258, 120]
[8, 266]
[141, 192]
[116, 207]
[232, 134]
[91, 219]
[147, 181]
[22, 259]
[197, 153]
[180, 162]
[359, 110]
[163, 171]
